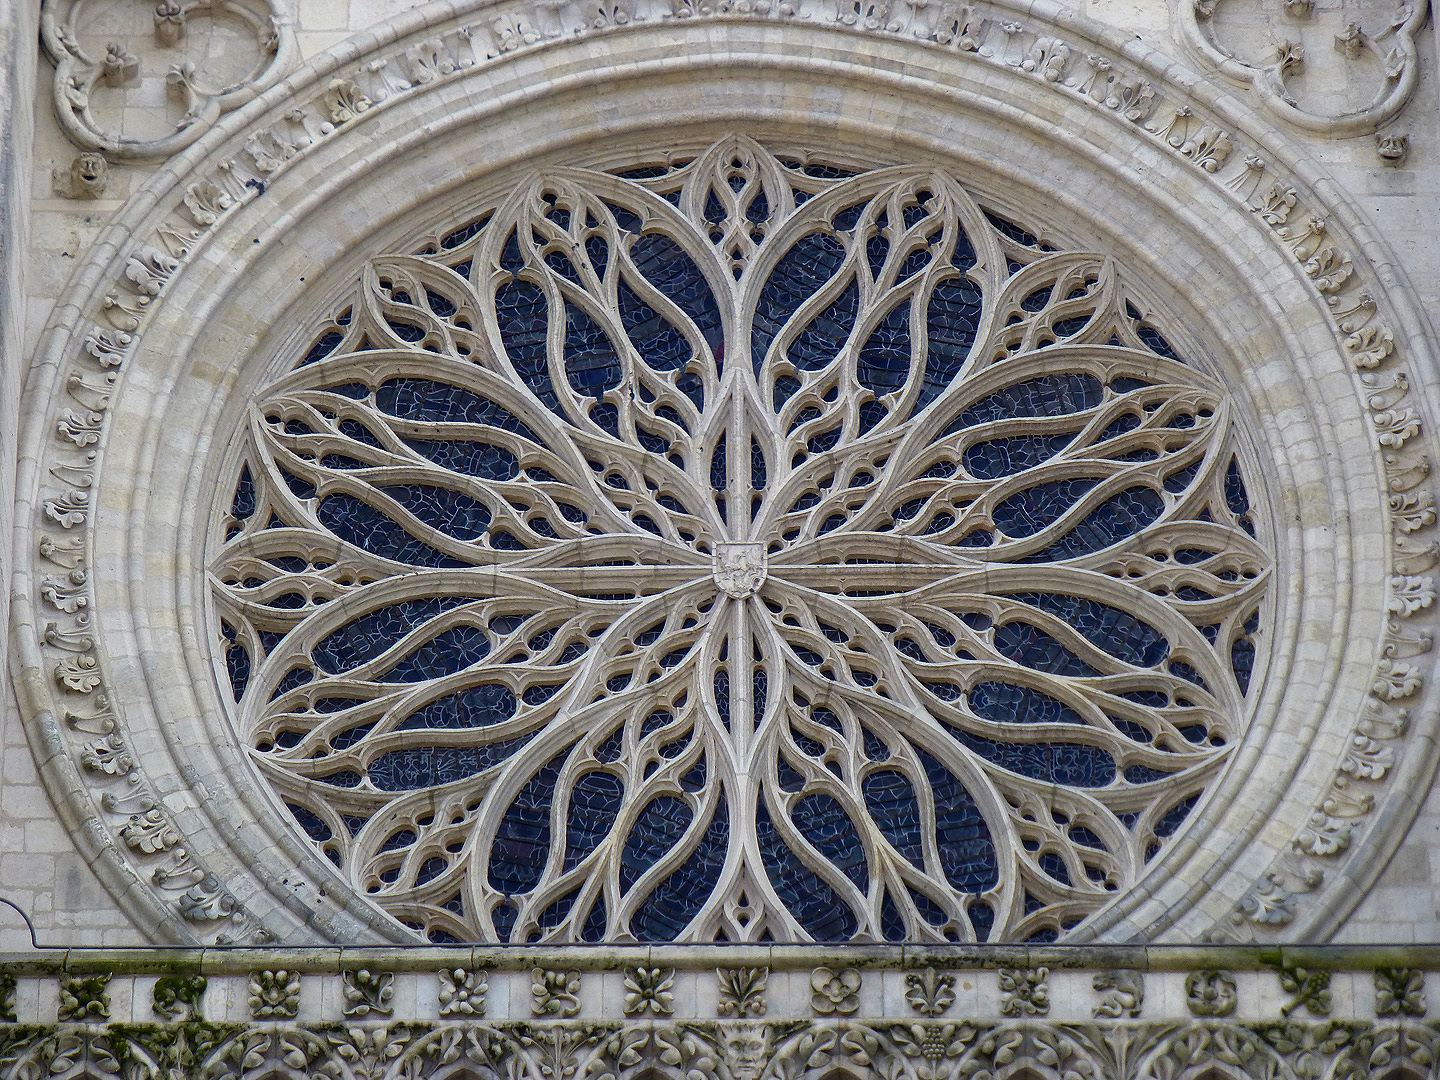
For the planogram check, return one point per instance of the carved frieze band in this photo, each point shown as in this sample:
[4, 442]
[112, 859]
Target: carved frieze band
[371, 1040]
[989, 35]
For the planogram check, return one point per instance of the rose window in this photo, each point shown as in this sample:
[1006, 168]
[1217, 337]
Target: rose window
[740, 548]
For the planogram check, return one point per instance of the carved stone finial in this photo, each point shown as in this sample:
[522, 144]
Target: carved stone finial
[274, 993]
[835, 992]
[169, 24]
[1210, 993]
[649, 991]
[1399, 992]
[929, 992]
[462, 993]
[177, 997]
[554, 993]
[367, 992]
[120, 67]
[85, 178]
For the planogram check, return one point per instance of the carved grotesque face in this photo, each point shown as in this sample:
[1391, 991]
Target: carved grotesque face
[90, 169]
[745, 1050]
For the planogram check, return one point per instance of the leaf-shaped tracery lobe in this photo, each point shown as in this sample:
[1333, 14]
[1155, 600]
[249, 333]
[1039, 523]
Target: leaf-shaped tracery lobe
[740, 548]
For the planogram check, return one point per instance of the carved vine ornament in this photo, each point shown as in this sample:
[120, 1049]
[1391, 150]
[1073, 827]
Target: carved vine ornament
[627, 448]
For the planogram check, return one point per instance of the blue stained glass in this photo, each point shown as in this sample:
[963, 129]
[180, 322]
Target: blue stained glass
[877, 248]
[594, 803]
[982, 918]
[324, 345]
[1117, 632]
[1037, 300]
[470, 458]
[311, 822]
[591, 364]
[967, 854]
[465, 232]
[1173, 818]
[813, 903]
[475, 706]
[681, 895]
[659, 343]
[890, 799]
[1035, 508]
[523, 319]
[237, 666]
[1236, 498]
[666, 266]
[1047, 395]
[825, 334]
[1070, 764]
[555, 914]
[995, 458]
[657, 829]
[892, 926]
[594, 928]
[884, 361]
[802, 271]
[1242, 662]
[719, 469]
[757, 465]
[431, 402]
[823, 821]
[1124, 515]
[1054, 865]
[453, 513]
[1034, 648]
[1004, 703]
[244, 503]
[431, 766]
[366, 637]
[722, 696]
[1013, 231]
[522, 839]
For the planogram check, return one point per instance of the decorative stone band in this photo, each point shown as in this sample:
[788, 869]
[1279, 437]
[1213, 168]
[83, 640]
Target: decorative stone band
[717, 1013]
[62, 684]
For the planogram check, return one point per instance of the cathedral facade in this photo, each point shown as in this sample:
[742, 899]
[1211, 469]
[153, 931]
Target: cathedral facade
[734, 538]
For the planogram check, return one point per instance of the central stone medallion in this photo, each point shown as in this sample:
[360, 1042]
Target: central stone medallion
[739, 569]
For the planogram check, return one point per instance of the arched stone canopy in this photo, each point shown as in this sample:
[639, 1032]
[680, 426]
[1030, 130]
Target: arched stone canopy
[1162, 182]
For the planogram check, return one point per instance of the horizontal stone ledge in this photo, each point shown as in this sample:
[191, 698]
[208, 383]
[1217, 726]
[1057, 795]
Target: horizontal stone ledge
[234, 960]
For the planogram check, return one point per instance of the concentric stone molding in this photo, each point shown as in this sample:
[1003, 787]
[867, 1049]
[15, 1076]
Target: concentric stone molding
[160, 838]
[1080, 1012]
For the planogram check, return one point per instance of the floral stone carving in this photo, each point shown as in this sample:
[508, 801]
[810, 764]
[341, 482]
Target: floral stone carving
[835, 992]
[705, 532]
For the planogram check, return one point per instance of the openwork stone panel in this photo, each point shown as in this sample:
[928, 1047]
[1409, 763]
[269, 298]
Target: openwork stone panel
[740, 547]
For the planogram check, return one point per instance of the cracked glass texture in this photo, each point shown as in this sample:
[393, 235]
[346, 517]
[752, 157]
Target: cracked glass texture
[740, 548]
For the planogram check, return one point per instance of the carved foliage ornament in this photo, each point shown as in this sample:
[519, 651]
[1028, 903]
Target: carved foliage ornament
[740, 547]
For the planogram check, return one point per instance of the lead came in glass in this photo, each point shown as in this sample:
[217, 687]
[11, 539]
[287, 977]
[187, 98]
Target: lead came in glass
[749, 549]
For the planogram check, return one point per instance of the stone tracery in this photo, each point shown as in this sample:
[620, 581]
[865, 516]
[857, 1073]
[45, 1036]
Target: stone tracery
[837, 559]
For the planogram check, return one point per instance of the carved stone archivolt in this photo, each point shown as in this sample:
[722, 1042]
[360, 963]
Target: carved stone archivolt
[1306, 379]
